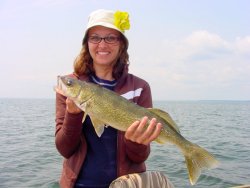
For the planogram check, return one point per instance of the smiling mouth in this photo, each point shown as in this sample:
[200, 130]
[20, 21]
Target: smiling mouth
[103, 53]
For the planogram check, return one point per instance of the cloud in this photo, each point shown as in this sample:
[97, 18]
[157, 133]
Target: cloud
[197, 64]
[200, 45]
[242, 45]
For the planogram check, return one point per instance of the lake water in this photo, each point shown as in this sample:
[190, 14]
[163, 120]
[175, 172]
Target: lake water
[29, 159]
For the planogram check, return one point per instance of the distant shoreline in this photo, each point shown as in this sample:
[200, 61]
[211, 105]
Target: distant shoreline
[167, 100]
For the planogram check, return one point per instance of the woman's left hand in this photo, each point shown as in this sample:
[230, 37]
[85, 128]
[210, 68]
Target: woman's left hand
[139, 133]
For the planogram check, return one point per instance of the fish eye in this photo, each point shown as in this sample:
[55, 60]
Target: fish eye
[69, 82]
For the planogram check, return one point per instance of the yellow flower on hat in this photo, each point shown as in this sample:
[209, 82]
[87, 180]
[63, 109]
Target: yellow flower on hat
[121, 20]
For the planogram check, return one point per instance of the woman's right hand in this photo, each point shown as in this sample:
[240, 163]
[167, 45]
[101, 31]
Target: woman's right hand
[71, 107]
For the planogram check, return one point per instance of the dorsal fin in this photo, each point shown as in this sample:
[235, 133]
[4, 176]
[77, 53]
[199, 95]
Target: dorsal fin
[165, 116]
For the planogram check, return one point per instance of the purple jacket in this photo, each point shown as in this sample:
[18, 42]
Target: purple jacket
[71, 143]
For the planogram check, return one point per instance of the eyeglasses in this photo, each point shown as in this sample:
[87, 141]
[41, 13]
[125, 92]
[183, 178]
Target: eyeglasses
[110, 39]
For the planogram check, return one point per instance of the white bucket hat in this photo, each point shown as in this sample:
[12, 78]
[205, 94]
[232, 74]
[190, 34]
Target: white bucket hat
[112, 19]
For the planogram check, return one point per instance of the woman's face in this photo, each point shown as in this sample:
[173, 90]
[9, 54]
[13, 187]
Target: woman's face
[104, 52]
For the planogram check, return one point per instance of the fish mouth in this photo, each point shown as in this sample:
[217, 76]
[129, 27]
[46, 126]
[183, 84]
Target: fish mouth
[59, 87]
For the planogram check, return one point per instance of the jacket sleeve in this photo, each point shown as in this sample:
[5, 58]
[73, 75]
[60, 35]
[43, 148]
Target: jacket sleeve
[139, 152]
[68, 128]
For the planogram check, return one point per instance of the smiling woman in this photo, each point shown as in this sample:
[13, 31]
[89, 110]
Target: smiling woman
[90, 160]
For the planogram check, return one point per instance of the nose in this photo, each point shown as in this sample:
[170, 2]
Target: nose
[102, 43]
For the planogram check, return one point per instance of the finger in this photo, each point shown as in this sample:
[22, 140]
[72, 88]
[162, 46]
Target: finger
[129, 134]
[141, 128]
[71, 107]
[69, 102]
[148, 132]
[155, 134]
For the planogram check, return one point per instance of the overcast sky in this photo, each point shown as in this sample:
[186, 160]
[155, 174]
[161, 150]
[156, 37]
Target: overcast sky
[186, 50]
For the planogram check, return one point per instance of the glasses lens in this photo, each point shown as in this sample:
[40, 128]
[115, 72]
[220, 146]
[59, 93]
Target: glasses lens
[111, 39]
[95, 39]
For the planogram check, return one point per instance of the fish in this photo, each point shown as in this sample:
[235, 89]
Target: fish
[107, 108]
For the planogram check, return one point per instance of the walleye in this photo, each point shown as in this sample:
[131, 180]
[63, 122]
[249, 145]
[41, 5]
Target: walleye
[105, 107]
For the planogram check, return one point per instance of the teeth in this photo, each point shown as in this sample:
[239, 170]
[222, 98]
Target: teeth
[103, 53]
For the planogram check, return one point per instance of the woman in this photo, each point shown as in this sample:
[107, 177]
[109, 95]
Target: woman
[92, 161]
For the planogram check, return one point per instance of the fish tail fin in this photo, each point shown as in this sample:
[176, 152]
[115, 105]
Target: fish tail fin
[198, 159]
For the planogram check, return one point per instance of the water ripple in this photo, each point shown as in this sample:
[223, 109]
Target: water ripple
[29, 157]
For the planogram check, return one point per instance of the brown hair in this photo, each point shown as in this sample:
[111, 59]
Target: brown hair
[83, 64]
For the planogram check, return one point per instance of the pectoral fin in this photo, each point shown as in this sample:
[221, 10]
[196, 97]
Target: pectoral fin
[83, 107]
[98, 125]
[164, 115]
